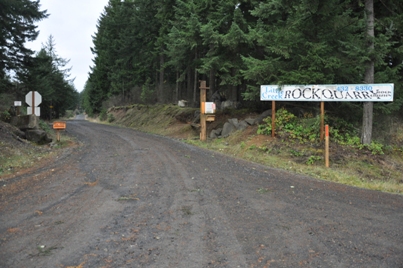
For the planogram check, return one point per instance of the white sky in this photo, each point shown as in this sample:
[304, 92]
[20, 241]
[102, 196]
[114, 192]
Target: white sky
[71, 23]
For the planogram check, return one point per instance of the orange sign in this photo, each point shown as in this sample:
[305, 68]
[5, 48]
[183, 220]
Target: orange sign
[59, 125]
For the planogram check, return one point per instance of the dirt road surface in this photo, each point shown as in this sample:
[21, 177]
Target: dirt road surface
[129, 199]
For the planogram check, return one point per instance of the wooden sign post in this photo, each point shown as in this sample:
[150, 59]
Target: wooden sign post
[322, 120]
[203, 121]
[17, 104]
[273, 119]
[59, 125]
[327, 145]
[207, 110]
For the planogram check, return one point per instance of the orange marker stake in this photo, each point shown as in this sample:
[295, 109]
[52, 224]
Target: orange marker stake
[327, 145]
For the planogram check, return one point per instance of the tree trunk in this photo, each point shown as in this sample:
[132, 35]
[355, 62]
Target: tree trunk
[234, 88]
[161, 78]
[177, 87]
[195, 83]
[189, 85]
[366, 135]
[211, 85]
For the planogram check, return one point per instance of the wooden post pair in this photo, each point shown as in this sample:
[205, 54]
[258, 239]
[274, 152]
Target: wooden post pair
[324, 130]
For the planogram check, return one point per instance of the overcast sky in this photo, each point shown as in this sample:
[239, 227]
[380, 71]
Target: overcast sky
[71, 23]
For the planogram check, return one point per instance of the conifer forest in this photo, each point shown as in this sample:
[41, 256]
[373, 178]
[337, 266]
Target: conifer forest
[157, 51]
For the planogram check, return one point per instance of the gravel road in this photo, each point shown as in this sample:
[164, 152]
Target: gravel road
[129, 199]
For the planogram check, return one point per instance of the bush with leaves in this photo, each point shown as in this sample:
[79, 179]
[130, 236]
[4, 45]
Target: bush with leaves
[5, 116]
[288, 125]
[306, 129]
[44, 126]
[103, 115]
[147, 92]
[111, 118]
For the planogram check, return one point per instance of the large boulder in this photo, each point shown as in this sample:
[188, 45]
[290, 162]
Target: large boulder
[242, 125]
[229, 104]
[250, 121]
[260, 118]
[24, 122]
[38, 136]
[234, 122]
[215, 133]
[227, 129]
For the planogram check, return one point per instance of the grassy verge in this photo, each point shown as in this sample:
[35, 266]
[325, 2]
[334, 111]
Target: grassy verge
[358, 172]
[26, 155]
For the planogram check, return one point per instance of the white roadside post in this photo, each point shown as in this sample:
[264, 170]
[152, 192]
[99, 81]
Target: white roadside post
[17, 104]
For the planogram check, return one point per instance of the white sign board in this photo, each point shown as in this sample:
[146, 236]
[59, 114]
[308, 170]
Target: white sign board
[37, 111]
[17, 103]
[37, 98]
[346, 92]
[209, 107]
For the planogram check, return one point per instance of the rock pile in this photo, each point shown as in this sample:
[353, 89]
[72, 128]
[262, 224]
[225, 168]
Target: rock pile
[234, 124]
[29, 126]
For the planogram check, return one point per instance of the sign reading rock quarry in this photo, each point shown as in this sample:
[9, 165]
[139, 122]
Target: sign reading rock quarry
[346, 92]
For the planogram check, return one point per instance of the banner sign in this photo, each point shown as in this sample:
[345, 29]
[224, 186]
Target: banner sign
[346, 92]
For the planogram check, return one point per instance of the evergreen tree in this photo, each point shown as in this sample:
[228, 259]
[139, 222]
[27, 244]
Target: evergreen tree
[47, 75]
[17, 26]
[98, 77]
[226, 35]
[242, 43]
[85, 98]
[124, 50]
[367, 119]
[298, 42]
[320, 42]
[184, 45]
[164, 15]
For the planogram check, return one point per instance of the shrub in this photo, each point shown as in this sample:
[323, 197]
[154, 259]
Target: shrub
[307, 130]
[103, 115]
[287, 124]
[5, 116]
[43, 125]
[111, 118]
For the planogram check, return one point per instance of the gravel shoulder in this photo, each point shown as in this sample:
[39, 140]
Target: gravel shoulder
[129, 199]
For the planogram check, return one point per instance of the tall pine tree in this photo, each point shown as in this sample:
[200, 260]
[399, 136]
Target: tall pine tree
[48, 75]
[17, 26]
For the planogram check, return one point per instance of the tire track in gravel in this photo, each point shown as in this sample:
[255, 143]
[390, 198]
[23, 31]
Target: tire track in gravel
[181, 219]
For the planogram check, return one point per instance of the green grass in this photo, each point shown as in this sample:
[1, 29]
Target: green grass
[354, 173]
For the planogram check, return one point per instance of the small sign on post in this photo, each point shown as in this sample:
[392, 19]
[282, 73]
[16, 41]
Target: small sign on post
[203, 121]
[209, 108]
[17, 104]
[59, 125]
